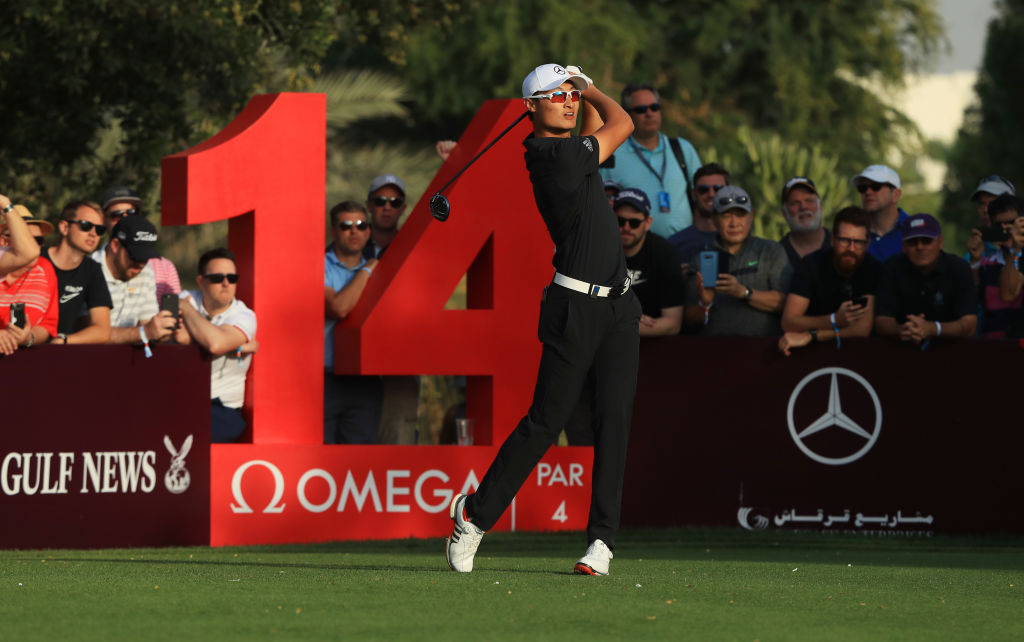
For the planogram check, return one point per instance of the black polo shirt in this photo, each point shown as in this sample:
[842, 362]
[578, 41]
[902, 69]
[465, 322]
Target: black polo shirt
[655, 276]
[794, 256]
[571, 199]
[946, 293]
[817, 279]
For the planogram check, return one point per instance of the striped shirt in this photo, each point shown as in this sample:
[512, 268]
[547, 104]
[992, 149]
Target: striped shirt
[166, 275]
[134, 300]
[37, 289]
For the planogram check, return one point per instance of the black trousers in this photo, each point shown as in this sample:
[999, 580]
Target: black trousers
[579, 334]
[352, 407]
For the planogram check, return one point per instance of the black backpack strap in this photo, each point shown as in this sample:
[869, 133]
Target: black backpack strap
[677, 149]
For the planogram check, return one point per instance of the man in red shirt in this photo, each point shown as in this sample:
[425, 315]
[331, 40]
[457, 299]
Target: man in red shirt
[35, 286]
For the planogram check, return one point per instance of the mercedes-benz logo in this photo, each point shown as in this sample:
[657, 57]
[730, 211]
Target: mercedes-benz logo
[834, 417]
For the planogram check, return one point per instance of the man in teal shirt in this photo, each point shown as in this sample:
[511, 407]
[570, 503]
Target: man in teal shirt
[647, 161]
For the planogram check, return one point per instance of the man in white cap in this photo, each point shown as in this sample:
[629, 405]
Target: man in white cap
[588, 316]
[879, 187]
[386, 203]
[801, 207]
[988, 189]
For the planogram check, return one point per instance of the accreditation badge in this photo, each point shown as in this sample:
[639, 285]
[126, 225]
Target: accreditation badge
[664, 203]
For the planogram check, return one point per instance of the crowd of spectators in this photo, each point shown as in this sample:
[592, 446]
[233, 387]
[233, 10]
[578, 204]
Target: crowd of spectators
[686, 233]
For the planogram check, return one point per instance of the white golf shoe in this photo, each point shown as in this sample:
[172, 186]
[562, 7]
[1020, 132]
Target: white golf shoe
[595, 561]
[461, 545]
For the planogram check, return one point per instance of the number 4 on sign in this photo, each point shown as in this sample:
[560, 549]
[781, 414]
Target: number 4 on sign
[560, 515]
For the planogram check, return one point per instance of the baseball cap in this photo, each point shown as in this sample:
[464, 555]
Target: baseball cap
[994, 185]
[612, 185]
[795, 181]
[878, 174]
[547, 77]
[732, 197]
[45, 226]
[386, 179]
[634, 197]
[139, 236]
[921, 226]
[115, 194]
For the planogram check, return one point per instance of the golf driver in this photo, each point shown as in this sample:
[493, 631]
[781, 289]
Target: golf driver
[439, 205]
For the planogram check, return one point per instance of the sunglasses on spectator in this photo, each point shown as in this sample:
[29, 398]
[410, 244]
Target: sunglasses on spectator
[642, 109]
[217, 278]
[846, 240]
[381, 201]
[725, 201]
[920, 240]
[704, 189]
[874, 187]
[131, 211]
[86, 226]
[348, 225]
[558, 97]
[633, 222]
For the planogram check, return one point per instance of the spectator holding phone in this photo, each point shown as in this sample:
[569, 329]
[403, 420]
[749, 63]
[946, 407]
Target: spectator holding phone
[28, 295]
[998, 289]
[135, 317]
[118, 202]
[924, 292]
[226, 328]
[833, 292]
[751, 275]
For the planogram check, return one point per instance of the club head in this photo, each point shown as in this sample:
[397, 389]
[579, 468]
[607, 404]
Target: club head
[440, 207]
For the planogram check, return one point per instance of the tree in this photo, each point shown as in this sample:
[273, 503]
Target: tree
[991, 140]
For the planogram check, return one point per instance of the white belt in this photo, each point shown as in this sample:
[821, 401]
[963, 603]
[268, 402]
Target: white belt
[591, 289]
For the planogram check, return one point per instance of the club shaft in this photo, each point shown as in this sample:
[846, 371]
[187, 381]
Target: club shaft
[489, 145]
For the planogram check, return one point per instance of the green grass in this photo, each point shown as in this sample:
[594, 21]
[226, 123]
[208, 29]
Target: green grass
[671, 585]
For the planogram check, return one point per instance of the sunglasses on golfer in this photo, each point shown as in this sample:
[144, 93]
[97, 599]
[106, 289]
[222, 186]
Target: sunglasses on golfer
[642, 109]
[381, 201]
[633, 222]
[874, 187]
[344, 226]
[559, 97]
[85, 226]
[219, 277]
[704, 189]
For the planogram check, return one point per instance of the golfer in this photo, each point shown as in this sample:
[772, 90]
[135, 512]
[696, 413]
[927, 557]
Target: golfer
[588, 316]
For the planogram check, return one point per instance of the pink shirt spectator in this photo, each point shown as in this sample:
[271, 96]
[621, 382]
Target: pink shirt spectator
[167, 281]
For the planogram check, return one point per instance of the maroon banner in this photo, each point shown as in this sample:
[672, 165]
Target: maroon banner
[877, 436]
[102, 447]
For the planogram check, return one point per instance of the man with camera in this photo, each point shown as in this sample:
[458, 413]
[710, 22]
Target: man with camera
[925, 293]
[997, 274]
[226, 328]
[135, 317]
[737, 287]
[833, 292]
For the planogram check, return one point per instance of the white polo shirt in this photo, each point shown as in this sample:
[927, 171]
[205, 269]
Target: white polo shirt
[134, 300]
[227, 376]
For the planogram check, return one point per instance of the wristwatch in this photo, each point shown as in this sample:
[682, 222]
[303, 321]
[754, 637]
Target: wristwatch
[63, 337]
[8, 209]
[814, 334]
[749, 295]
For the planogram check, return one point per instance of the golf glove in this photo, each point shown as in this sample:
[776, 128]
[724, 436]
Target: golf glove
[578, 72]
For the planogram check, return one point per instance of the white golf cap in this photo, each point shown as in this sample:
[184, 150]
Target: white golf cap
[387, 179]
[878, 174]
[547, 77]
[994, 185]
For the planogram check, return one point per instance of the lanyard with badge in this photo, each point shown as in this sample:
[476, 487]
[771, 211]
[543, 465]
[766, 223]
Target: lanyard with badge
[664, 203]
